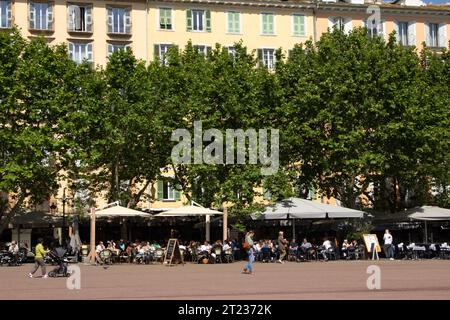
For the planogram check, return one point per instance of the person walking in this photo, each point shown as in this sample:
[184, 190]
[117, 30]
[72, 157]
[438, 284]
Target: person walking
[388, 247]
[248, 246]
[40, 252]
[282, 242]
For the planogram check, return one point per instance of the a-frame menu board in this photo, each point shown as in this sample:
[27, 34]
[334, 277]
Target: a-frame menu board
[173, 253]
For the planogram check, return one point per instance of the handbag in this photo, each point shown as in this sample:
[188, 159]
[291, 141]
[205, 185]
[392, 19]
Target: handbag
[246, 245]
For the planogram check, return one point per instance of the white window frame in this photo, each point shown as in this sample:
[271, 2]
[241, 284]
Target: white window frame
[205, 51]
[441, 36]
[227, 22]
[274, 58]
[127, 20]
[274, 24]
[296, 14]
[369, 32]
[89, 55]
[7, 14]
[112, 44]
[203, 20]
[169, 188]
[347, 21]
[161, 53]
[172, 13]
[88, 17]
[49, 15]
[411, 32]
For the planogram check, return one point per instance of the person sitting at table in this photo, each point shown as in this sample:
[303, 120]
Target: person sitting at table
[345, 246]
[205, 248]
[122, 245]
[100, 247]
[226, 245]
[325, 247]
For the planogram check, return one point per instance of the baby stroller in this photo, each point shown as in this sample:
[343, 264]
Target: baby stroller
[58, 256]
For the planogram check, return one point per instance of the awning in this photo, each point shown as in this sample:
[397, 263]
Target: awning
[429, 213]
[297, 208]
[189, 211]
[119, 211]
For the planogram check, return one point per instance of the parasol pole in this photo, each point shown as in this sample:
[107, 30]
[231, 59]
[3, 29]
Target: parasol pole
[93, 257]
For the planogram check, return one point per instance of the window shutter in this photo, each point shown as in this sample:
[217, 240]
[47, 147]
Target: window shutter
[160, 191]
[71, 50]
[156, 51]
[265, 24]
[230, 22]
[88, 18]
[412, 33]
[442, 35]
[189, 20]
[127, 15]
[50, 16]
[331, 23]
[347, 25]
[110, 49]
[110, 20]
[162, 18]
[208, 20]
[270, 19]
[168, 19]
[260, 56]
[71, 18]
[396, 29]
[8, 14]
[208, 50]
[177, 192]
[89, 55]
[32, 15]
[312, 193]
[267, 195]
[427, 34]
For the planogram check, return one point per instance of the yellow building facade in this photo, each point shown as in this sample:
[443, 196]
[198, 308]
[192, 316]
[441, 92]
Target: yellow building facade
[94, 29]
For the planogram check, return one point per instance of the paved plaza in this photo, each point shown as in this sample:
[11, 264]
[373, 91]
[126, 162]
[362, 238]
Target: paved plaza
[427, 279]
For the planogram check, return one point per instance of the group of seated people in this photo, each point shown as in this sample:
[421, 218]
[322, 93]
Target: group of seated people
[138, 251]
[267, 250]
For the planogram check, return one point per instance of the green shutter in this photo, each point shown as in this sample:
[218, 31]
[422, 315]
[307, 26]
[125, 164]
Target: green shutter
[208, 20]
[264, 24]
[230, 21]
[237, 27]
[160, 190]
[260, 56]
[177, 191]
[189, 20]
[156, 51]
[267, 195]
[301, 25]
[296, 25]
[270, 23]
[162, 18]
[312, 193]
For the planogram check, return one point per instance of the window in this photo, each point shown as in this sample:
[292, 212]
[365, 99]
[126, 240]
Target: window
[167, 191]
[5, 14]
[113, 47]
[234, 22]
[268, 23]
[80, 51]
[338, 23]
[403, 33]
[165, 18]
[267, 195]
[433, 35]
[119, 20]
[160, 51]
[232, 51]
[267, 58]
[198, 20]
[40, 16]
[79, 18]
[299, 25]
[374, 30]
[203, 50]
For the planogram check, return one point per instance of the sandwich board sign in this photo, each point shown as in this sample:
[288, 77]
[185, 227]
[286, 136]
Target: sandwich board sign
[372, 245]
[173, 253]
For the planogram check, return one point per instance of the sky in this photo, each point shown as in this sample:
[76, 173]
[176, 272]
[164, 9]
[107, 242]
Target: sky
[437, 1]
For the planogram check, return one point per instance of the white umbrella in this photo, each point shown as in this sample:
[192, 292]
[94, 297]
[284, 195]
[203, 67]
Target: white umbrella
[297, 208]
[188, 211]
[119, 211]
[428, 213]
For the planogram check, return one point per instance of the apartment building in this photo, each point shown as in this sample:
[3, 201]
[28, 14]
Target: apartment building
[94, 29]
